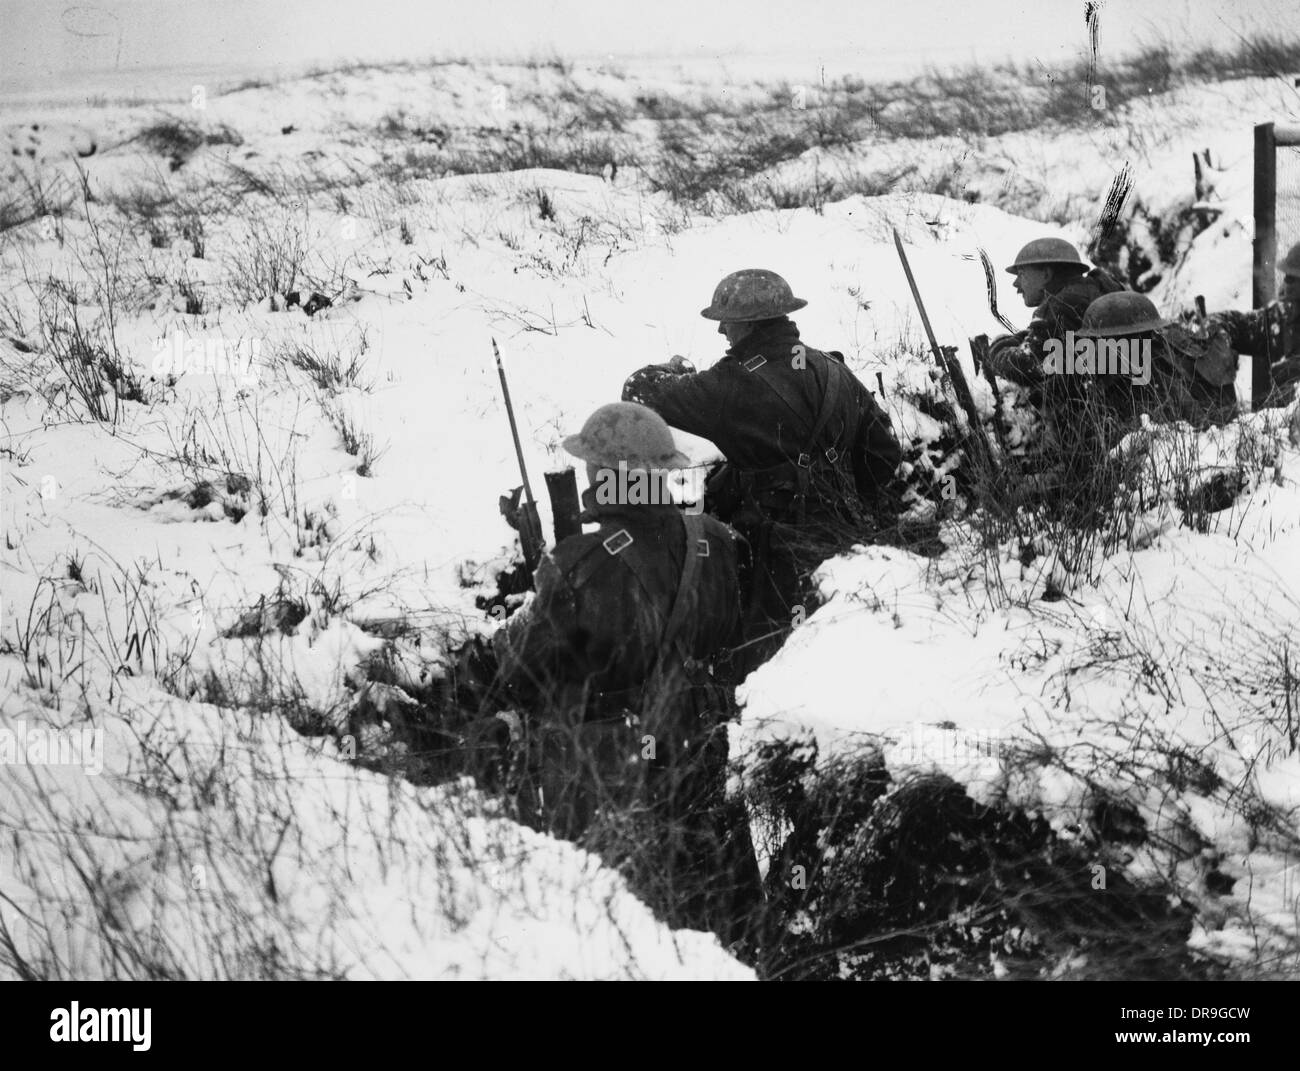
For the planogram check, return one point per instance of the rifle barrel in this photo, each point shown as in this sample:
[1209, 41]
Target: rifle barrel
[916, 298]
[514, 428]
[947, 361]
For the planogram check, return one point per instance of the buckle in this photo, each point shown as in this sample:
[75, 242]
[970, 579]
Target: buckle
[832, 455]
[619, 541]
[703, 551]
[755, 363]
[805, 461]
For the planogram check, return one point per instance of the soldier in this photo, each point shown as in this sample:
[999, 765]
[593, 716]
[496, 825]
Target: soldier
[615, 658]
[1272, 333]
[1289, 269]
[1163, 382]
[1054, 281]
[809, 452]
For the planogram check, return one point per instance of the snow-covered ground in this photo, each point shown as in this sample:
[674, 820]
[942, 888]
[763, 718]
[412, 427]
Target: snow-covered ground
[120, 582]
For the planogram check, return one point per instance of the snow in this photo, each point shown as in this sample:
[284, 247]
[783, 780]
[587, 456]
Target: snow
[950, 662]
[1161, 656]
[372, 877]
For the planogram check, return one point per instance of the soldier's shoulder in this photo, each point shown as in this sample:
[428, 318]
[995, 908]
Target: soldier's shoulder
[1080, 291]
[715, 528]
[580, 555]
[819, 354]
[723, 370]
[721, 535]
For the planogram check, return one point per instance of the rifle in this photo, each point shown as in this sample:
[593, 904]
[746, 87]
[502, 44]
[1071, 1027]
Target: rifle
[979, 351]
[947, 359]
[529, 524]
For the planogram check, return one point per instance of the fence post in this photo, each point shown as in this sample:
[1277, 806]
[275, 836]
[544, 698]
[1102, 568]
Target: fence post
[1264, 253]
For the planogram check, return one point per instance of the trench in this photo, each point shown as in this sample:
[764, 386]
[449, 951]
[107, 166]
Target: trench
[871, 876]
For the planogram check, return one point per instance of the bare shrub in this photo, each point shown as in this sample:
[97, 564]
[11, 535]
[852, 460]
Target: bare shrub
[179, 139]
[96, 372]
[330, 369]
[271, 260]
[357, 442]
[235, 445]
[39, 196]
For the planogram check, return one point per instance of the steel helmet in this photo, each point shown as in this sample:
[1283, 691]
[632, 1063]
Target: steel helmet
[749, 295]
[627, 432]
[1290, 264]
[1123, 313]
[1047, 252]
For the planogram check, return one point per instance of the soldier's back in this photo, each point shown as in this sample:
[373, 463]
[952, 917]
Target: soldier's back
[625, 577]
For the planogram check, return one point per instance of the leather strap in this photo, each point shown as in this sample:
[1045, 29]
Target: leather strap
[756, 364]
[696, 547]
[830, 402]
[694, 525]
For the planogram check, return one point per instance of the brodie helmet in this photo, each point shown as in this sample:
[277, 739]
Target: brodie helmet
[750, 295]
[1048, 252]
[627, 432]
[1123, 313]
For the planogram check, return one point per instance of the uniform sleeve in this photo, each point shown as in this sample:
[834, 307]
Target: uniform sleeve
[534, 647]
[1247, 331]
[691, 401]
[1010, 358]
[1266, 333]
[1023, 363]
[1052, 319]
[876, 454]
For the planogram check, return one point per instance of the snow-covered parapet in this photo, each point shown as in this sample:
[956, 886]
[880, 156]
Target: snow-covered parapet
[208, 844]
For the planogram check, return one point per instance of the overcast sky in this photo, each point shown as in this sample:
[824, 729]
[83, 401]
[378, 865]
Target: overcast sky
[47, 43]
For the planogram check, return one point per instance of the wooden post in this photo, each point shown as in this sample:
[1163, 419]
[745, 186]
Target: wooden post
[562, 487]
[1264, 261]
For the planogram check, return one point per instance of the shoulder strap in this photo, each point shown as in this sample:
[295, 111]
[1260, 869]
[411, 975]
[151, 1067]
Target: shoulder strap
[696, 547]
[756, 364]
[694, 525]
[830, 400]
[591, 562]
[599, 554]
[617, 546]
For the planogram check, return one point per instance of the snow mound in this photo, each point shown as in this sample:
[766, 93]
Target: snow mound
[210, 844]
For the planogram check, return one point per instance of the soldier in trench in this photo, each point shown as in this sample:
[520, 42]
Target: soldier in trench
[810, 455]
[614, 666]
[1053, 280]
[1271, 334]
